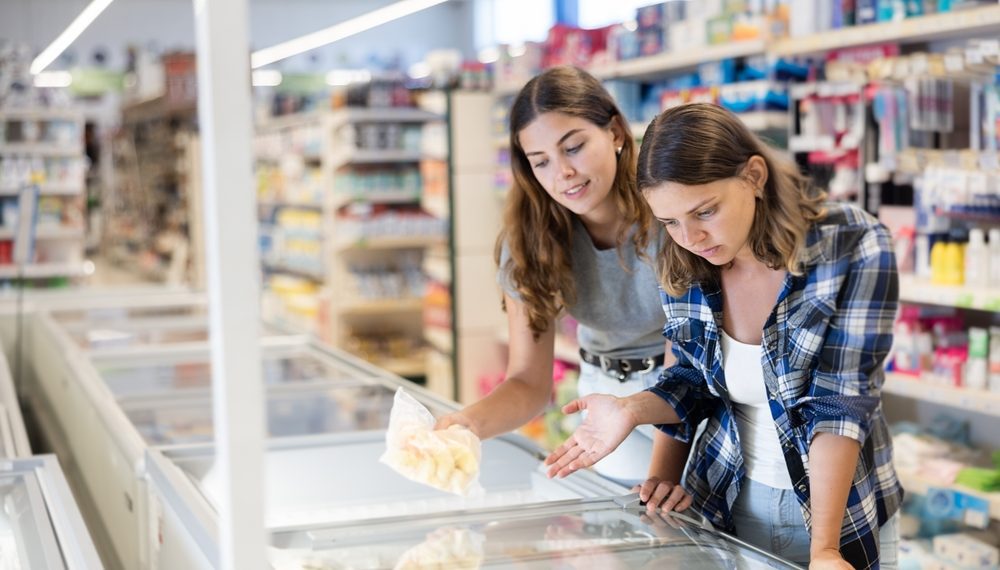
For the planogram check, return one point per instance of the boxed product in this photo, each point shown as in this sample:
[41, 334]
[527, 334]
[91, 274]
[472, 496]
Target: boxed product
[965, 551]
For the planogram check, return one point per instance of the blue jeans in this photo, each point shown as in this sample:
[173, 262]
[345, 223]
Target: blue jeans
[771, 520]
[627, 465]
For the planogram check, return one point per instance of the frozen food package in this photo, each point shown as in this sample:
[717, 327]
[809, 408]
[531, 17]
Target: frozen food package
[445, 459]
[453, 548]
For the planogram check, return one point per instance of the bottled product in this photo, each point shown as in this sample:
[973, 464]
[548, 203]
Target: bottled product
[938, 263]
[994, 360]
[977, 259]
[954, 263]
[975, 368]
[994, 256]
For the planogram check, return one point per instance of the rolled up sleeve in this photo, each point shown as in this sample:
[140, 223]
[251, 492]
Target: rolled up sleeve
[847, 382]
[683, 388]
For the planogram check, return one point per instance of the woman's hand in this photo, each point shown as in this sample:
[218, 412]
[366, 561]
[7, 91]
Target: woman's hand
[459, 418]
[662, 495]
[606, 426]
[828, 559]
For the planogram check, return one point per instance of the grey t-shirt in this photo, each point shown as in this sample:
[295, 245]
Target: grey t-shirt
[619, 312]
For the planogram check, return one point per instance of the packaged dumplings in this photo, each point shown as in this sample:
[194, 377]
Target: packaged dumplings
[445, 459]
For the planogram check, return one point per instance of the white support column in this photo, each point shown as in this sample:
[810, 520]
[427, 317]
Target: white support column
[224, 112]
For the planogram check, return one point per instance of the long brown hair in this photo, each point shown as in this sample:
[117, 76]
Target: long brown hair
[701, 143]
[537, 230]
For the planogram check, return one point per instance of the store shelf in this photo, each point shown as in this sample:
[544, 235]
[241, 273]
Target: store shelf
[661, 64]
[914, 483]
[383, 307]
[415, 365]
[389, 243]
[40, 149]
[755, 121]
[40, 114]
[963, 23]
[366, 156]
[980, 401]
[378, 197]
[42, 270]
[292, 270]
[914, 290]
[273, 204]
[439, 338]
[46, 233]
[48, 189]
[438, 268]
[384, 115]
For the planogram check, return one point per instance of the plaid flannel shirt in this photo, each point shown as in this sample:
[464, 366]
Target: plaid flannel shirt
[824, 345]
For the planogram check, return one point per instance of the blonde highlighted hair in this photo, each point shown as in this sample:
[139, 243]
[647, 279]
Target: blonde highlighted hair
[538, 231]
[700, 143]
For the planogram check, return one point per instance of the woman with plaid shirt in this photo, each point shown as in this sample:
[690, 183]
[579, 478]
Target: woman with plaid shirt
[780, 310]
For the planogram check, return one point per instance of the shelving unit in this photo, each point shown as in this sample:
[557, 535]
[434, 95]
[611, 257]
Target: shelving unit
[914, 483]
[968, 399]
[43, 147]
[919, 291]
[343, 234]
[152, 208]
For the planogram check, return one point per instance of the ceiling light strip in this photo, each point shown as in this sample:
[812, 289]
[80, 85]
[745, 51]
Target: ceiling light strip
[73, 31]
[348, 28]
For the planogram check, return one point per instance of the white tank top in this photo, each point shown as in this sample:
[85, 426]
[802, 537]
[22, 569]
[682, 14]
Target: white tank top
[762, 454]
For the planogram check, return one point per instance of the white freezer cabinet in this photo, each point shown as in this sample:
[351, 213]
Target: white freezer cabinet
[106, 411]
[601, 533]
[40, 526]
[336, 480]
[13, 435]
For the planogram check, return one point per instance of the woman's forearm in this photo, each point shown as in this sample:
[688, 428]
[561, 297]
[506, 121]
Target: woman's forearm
[670, 455]
[648, 408]
[509, 406]
[832, 461]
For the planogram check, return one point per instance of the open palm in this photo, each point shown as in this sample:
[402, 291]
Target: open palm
[606, 426]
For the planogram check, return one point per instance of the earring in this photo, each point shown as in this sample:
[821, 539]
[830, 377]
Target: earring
[618, 151]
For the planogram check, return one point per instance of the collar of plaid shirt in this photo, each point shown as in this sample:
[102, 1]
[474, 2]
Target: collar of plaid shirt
[818, 377]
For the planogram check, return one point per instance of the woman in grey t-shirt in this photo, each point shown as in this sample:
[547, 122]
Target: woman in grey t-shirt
[576, 237]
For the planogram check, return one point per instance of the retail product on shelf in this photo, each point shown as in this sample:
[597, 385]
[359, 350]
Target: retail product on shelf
[343, 230]
[152, 213]
[42, 171]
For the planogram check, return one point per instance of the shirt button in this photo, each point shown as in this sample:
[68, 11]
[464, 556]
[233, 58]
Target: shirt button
[802, 488]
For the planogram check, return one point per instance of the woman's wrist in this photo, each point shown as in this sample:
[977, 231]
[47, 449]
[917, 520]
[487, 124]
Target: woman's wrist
[640, 408]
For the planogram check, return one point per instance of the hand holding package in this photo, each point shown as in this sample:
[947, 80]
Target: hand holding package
[445, 459]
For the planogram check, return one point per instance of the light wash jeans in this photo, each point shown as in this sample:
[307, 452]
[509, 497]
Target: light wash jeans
[771, 520]
[628, 465]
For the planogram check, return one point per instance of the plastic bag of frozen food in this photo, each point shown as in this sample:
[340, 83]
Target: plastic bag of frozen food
[449, 547]
[445, 459]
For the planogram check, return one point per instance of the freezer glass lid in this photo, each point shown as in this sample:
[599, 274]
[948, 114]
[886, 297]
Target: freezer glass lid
[341, 479]
[607, 533]
[334, 409]
[145, 333]
[157, 375]
[26, 536]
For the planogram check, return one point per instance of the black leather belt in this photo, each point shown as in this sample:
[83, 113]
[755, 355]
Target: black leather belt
[621, 368]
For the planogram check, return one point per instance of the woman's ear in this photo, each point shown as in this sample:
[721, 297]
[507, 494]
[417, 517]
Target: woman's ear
[618, 131]
[755, 171]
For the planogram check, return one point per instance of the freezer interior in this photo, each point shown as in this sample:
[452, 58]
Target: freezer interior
[606, 533]
[335, 408]
[343, 480]
[135, 377]
[142, 333]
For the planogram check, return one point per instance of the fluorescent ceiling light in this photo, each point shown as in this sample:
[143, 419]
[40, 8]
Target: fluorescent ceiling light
[302, 44]
[53, 79]
[341, 77]
[266, 78]
[73, 31]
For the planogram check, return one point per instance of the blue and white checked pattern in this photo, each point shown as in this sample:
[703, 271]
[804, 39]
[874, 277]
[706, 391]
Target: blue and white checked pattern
[824, 347]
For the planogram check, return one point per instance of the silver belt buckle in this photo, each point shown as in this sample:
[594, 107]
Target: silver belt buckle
[650, 365]
[605, 363]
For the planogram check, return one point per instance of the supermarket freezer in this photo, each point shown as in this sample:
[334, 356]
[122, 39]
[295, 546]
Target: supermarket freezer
[13, 435]
[600, 533]
[87, 403]
[337, 479]
[40, 526]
